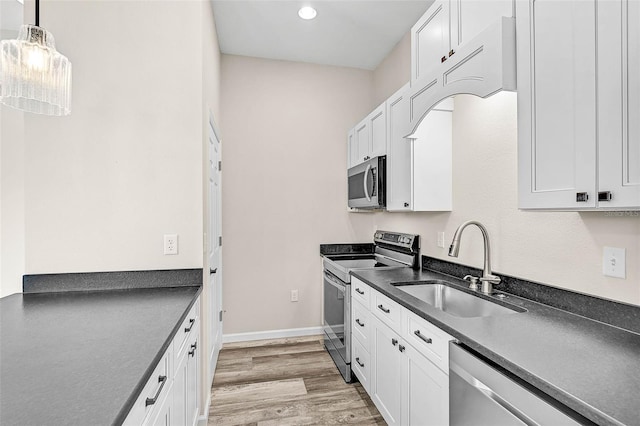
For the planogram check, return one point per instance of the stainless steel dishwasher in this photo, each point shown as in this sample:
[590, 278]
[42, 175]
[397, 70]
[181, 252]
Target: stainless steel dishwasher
[483, 394]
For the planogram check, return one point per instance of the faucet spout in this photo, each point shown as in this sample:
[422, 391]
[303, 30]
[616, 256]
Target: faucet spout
[488, 279]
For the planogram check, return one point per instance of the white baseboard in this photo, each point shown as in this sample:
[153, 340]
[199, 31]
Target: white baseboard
[271, 334]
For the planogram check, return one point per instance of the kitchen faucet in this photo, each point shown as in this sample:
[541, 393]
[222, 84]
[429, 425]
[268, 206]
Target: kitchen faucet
[487, 279]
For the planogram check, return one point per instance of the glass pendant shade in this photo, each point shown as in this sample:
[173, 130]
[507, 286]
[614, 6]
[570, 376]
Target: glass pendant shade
[34, 77]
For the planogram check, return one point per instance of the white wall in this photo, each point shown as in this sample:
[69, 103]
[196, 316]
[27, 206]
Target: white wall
[284, 190]
[12, 226]
[103, 185]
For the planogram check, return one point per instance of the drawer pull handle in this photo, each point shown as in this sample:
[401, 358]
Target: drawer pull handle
[359, 291]
[191, 322]
[383, 309]
[192, 352]
[401, 348]
[150, 401]
[425, 339]
[394, 341]
[361, 324]
[359, 363]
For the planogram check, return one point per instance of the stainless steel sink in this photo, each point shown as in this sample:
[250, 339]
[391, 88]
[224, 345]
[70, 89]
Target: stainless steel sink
[453, 301]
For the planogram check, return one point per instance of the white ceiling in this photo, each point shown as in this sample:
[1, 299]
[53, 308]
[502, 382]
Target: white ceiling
[350, 33]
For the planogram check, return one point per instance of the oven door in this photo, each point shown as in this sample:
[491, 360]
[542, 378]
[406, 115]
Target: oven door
[337, 318]
[364, 186]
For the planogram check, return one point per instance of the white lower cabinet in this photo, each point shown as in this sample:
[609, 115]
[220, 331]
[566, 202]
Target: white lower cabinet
[425, 391]
[402, 365]
[386, 382]
[171, 395]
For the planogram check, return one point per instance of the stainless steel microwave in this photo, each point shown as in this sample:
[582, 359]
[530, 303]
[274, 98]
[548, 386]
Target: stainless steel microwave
[367, 184]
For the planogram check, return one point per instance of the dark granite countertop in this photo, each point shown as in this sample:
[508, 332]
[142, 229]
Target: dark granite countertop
[591, 367]
[83, 357]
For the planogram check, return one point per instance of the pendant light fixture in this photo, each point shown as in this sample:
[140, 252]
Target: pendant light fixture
[34, 77]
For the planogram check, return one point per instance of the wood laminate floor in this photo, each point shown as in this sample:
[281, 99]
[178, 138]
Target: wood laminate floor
[285, 382]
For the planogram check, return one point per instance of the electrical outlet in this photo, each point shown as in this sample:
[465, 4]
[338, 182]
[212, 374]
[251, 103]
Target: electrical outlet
[441, 239]
[171, 244]
[614, 262]
[294, 295]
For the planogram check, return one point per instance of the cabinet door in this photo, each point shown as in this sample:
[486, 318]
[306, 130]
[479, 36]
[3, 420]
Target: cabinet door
[470, 17]
[352, 150]
[619, 102]
[430, 39]
[386, 379]
[556, 103]
[398, 152]
[378, 125]
[192, 384]
[425, 391]
[179, 411]
[362, 139]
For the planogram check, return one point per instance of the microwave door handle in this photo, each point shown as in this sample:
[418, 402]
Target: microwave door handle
[366, 189]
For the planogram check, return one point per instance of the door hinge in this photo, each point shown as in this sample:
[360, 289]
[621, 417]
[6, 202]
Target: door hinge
[220, 240]
[219, 166]
[220, 315]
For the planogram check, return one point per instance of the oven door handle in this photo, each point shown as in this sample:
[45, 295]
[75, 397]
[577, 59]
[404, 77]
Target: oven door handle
[366, 187]
[335, 282]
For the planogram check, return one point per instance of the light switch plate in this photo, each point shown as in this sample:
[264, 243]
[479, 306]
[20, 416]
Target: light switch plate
[441, 239]
[614, 262]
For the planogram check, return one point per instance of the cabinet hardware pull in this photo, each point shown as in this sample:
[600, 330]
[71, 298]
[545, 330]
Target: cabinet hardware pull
[359, 291]
[582, 197]
[213, 271]
[604, 196]
[451, 52]
[361, 324]
[191, 322]
[192, 352]
[401, 348]
[394, 341]
[426, 339]
[150, 401]
[444, 58]
[359, 363]
[383, 309]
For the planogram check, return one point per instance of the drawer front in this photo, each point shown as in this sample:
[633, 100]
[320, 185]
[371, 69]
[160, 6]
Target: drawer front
[387, 310]
[187, 328]
[360, 324]
[428, 339]
[360, 364]
[153, 393]
[360, 291]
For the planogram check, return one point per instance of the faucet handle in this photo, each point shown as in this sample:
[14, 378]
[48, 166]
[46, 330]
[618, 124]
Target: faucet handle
[473, 282]
[491, 279]
[488, 281]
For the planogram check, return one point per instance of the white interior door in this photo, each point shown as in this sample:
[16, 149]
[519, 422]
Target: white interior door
[214, 248]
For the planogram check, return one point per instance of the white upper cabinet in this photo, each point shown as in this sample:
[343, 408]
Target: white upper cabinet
[430, 39]
[460, 46]
[470, 18]
[419, 170]
[577, 147]
[369, 138]
[377, 120]
[447, 25]
[352, 150]
[619, 104]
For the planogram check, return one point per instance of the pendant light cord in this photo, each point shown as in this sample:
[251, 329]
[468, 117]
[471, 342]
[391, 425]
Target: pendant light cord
[37, 13]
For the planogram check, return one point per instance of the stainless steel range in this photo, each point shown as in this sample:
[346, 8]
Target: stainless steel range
[391, 250]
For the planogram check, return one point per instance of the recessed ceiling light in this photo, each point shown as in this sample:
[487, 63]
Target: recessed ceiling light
[307, 12]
